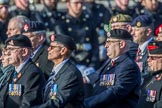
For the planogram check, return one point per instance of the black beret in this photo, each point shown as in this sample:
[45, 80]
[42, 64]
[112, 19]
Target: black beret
[65, 40]
[155, 47]
[142, 21]
[119, 34]
[19, 40]
[33, 26]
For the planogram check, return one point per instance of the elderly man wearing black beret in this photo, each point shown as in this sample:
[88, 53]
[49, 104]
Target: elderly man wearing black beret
[119, 80]
[24, 87]
[64, 88]
[151, 95]
[35, 31]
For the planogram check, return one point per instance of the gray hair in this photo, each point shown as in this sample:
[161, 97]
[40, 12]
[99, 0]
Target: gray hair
[21, 20]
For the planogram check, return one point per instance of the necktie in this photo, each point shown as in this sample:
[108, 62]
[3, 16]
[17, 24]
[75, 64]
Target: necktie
[49, 83]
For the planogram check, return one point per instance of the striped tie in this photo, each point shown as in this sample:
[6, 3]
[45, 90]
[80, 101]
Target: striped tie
[49, 83]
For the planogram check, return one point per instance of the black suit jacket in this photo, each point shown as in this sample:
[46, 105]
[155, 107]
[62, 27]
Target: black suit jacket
[41, 60]
[70, 89]
[32, 82]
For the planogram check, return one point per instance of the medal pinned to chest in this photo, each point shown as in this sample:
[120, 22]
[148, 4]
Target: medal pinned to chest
[15, 89]
[107, 80]
[53, 91]
[151, 95]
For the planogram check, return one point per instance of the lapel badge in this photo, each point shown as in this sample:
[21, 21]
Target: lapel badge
[37, 64]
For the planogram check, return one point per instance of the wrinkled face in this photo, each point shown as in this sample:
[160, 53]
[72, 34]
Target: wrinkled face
[75, 6]
[3, 11]
[15, 54]
[154, 62]
[139, 34]
[113, 47]
[54, 51]
[51, 3]
[34, 38]
[12, 28]
[150, 4]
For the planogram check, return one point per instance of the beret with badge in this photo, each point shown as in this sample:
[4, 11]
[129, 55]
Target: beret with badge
[118, 18]
[33, 26]
[67, 41]
[142, 21]
[120, 34]
[158, 30]
[18, 40]
[155, 47]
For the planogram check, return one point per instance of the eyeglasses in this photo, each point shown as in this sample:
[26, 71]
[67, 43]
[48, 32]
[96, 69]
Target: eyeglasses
[11, 49]
[53, 47]
[112, 41]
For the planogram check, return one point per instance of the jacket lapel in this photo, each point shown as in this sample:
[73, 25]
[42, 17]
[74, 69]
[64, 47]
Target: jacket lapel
[37, 55]
[66, 65]
[24, 68]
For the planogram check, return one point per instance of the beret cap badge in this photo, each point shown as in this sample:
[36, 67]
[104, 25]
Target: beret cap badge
[138, 24]
[11, 42]
[115, 19]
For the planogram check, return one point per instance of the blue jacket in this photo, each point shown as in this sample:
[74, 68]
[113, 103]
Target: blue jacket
[124, 93]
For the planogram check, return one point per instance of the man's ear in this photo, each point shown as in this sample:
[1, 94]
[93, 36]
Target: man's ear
[148, 31]
[25, 51]
[122, 44]
[63, 50]
[129, 27]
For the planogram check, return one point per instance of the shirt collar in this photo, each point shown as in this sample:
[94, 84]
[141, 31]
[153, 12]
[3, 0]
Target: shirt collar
[144, 45]
[57, 68]
[22, 65]
[36, 50]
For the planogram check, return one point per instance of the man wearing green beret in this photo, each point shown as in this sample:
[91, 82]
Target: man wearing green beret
[123, 21]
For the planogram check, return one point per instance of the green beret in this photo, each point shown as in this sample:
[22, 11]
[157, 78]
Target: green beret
[117, 18]
[121, 18]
